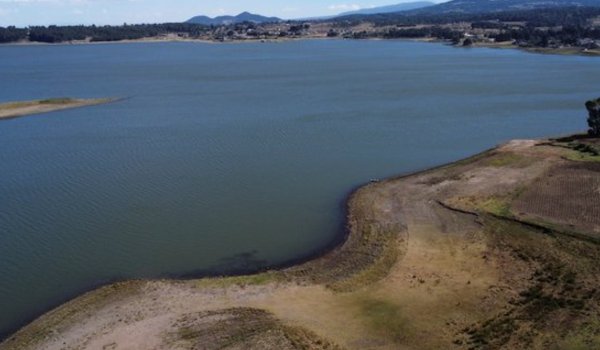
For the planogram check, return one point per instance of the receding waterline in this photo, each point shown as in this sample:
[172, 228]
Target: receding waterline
[237, 150]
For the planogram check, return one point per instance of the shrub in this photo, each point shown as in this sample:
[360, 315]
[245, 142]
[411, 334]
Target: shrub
[593, 108]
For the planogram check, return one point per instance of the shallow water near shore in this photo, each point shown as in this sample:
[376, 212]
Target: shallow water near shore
[229, 157]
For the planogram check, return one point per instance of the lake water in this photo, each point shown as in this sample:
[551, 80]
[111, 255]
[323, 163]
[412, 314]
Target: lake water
[226, 157]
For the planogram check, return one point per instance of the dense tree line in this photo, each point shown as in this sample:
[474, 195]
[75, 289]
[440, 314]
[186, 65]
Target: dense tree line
[573, 16]
[12, 34]
[56, 34]
[540, 27]
[434, 32]
[568, 35]
[593, 108]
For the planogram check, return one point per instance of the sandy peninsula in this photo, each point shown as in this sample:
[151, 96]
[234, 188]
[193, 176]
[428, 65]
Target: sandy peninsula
[498, 251]
[20, 109]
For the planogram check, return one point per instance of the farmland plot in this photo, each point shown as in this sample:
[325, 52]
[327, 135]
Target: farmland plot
[568, 195]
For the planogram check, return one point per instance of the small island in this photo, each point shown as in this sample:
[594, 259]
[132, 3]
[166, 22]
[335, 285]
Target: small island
[11, 110]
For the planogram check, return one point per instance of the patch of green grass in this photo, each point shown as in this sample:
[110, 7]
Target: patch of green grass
[385, 318]
[507, 159]
[249, 280]
[582, 157]
[56, 101]
[500, 206]
[497, 206]
[13, 105]
[579, 152]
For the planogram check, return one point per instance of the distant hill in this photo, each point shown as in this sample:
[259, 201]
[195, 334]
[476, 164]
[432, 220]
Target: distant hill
[481, 6]
[390, 8]
[224, 20]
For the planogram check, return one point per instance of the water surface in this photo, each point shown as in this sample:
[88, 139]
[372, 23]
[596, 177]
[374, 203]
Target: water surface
[231, 156]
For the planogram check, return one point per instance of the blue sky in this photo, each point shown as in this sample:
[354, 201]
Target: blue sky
[62, 12]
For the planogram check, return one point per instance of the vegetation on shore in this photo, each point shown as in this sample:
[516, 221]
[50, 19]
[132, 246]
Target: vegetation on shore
[593, 107]
[59, 34]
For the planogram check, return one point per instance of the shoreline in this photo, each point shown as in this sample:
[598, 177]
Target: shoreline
[341, 238]
[407, 237]
[567, 51]
[343, 233]
[160, 40]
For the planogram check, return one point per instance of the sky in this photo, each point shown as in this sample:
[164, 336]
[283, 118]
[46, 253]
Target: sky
[23, 13]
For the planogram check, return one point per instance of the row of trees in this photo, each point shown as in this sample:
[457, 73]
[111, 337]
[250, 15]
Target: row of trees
[435, 32]
[548, 17]
[569, 35]
[12, 34]
[56, 34]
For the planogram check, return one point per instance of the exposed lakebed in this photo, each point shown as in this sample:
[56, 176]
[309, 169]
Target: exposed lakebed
[238, 156]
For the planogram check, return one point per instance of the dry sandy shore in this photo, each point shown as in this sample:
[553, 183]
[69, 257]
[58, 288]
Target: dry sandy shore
[479, 254]
[19, 109]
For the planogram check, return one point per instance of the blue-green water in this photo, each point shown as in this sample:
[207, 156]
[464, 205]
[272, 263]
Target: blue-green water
[231, 156]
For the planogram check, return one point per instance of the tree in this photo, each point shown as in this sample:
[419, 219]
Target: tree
[593, 108]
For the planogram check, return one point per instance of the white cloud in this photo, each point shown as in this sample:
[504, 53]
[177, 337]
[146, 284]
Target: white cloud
[344, 7]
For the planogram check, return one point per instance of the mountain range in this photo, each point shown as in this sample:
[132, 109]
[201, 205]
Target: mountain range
[413, 8]
[481, 6]
[225, 20]
[250, 17]
[390, 8]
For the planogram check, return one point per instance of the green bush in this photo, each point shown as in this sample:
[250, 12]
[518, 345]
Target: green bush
[593, 108]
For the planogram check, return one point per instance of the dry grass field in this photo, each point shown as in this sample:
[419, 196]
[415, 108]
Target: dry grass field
[494, 252]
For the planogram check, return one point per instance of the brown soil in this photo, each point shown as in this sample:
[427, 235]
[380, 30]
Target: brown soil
[568, 195]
